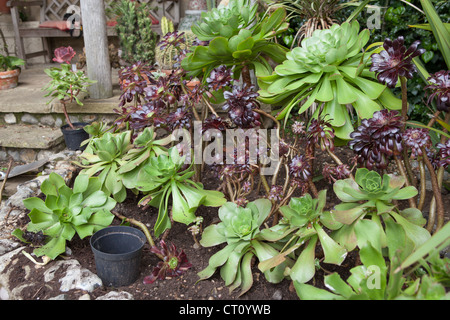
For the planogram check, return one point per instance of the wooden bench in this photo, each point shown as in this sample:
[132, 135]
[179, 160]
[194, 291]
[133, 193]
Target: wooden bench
[55, 10]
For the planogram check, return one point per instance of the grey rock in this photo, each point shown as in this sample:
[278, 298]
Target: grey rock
[10, 118]
[48, 120]
[75, 277]
[28, 118]
[114, 295]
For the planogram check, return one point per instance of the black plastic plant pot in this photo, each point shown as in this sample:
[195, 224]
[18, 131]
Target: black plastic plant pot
[117, 252]
[74, 138]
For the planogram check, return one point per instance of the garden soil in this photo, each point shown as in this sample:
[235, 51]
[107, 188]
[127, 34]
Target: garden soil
[187, 286]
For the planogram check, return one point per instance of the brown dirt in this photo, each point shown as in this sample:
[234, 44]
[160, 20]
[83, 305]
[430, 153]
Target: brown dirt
[186, 286]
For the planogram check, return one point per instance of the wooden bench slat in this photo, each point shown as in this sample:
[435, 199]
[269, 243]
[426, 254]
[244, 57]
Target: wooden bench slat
[36, 54]
[42, 32]
[18, 3]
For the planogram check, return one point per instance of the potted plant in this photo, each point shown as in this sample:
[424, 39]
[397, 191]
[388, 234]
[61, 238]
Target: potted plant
[67, 82]
[9, 71]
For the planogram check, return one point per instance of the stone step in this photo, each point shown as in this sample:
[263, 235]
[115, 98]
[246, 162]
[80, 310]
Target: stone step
[27, 143]
[27, 102]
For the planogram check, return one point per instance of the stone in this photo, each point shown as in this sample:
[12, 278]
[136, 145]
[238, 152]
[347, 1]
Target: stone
[61, 296]
[10, 118]
[74, 118]
[4, 294]
[15, 154]
[89, 118]
[28, 118]
[58, 122]
[7, 245]
[47, 120]
[114, 295]
[75, 277]
[85, 297]
[27, 155]
[277, 295]
[31, 137]
[5, 273]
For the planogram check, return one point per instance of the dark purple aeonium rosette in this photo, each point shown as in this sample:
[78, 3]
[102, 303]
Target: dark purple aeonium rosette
[219, 78]
[439, 89]
[175, 263]
[444, 154]
[377, 138]
[395, 60]
[416, 139]
[300, 167]
[240, 104]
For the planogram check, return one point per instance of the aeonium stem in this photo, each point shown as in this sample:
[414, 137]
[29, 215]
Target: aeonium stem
[423, 189]
[404, 100]
[337, 160]
[408, 168]
[436, 191]
[142, 226]
[402, 170]
[63, 102]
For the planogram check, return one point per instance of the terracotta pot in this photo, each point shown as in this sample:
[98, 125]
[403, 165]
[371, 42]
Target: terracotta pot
[9, 79]
[3, 7]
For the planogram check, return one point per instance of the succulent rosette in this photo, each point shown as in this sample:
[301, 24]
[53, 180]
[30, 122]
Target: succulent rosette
[240, 103]
[377, 139]
[439, 89]
[83, 210]
[303, 228]
[238, 36]
[368, 200]
[225, 20]
[220, 77]
[415, 139]
[103, 156]
[331, 68]
[444, 153]
[174, 264]
[300, 167]
[64, 54]
[240, 230]
[395, 61]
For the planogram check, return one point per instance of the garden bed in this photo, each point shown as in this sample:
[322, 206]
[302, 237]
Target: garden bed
[186, 286]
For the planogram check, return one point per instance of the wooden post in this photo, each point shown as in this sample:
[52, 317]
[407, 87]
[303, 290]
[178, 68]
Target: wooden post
[96, 44]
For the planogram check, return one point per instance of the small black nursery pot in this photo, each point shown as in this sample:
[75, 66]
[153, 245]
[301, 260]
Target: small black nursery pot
[74, 138]
[117, 252]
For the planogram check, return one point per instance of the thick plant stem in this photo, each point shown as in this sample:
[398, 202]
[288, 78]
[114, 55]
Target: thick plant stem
[436, 191]
[423, 188]
[264, 183]
[140, 225]
[408, 168]
[432, 211]
[401, 168]
[337, 160]
[246, 76]
[440, 172]
[404, 100]
[67, 115]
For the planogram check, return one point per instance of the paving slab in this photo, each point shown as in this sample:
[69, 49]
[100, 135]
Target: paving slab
[29, 137]
[28, 96]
